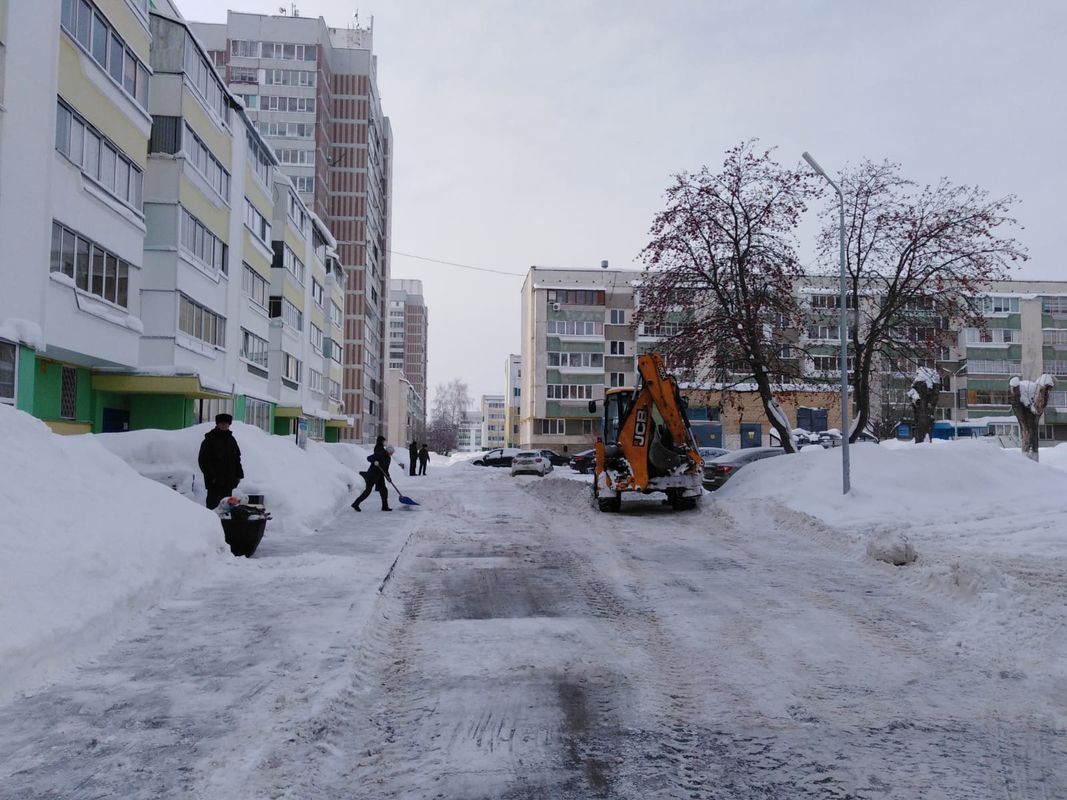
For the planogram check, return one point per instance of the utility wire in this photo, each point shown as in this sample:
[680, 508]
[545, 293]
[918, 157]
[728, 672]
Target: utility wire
[454, 264]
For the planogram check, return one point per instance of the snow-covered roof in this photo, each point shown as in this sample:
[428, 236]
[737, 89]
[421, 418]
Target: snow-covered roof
[22, 331]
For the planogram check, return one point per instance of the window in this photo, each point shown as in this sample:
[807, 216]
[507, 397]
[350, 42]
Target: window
[282, 103]
[336, 315]
[1054, 305]
[316, 338]
[293, 265]
[617, 316]
[68, 393]
[291, 315]
[257, 223]
[986, 367]
[257, 412]
[565, 391]
[997, 305]
[317, 293]
[662, 329]
[832, 301]
[335, 389]
[582, 360]
[550, 427]
[244, 75]
[289, 130]
[1055, 399]
[244, 48]
[617, 379]
[1054, 337]
[254, 348]
[206, 164]
[830, 363]
[617, 348]
[823, 332]
[576, 297]
[259, 160]
[289, 52]
[992, 335]
[315, 380]
[93, 268]
[1056, 367]
[202, 76]
[305, 184]
[290, 77]
[298, 214]
[294, 156]
[202, 243]
[91, 29]
[8, 354]
[255, 286]
[200, 322]
[988, 397]
[568, 327]
[290, 369]
[97, 157]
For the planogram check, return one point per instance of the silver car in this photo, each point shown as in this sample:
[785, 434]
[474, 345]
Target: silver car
[530, 462]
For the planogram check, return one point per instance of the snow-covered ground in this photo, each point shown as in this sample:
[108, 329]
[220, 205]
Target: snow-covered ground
[505, 639]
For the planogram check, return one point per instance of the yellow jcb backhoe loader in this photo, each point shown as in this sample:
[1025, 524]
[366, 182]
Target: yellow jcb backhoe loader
[647, 444]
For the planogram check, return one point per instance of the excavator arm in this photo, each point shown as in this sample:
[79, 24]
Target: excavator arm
[664, 395]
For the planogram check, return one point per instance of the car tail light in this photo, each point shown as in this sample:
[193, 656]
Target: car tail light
[722, 469]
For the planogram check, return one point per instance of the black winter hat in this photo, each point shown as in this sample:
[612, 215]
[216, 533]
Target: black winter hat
[223, 418]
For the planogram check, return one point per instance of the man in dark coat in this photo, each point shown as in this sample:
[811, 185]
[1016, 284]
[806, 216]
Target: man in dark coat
[413, 456]
[220, 461]
[424, 458]
[376, 474]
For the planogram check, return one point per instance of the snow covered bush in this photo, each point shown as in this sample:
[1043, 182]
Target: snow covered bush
[892, 547]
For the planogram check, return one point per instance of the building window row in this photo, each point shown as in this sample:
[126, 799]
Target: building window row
[206, 164]
[992, 335]
[255, 286]
[94, 269]
[290, 130]
[1054, 305]
[988, 397]
[556, 359]
[293, 265]
[550, 427]
[259, 160]
[1054, 336]
[206, 81]
[828, 363]
[290, 314]
[289, 77]
[298, 214]
[200, 322]
[1055, 367]
[244, 75]
[257, 223]
[576, 297]
[570, 327]
[832, 301]
[272, 102]
[202, 244]
[254, 348]
[292, 155]
[977, 366]
[247, 48]
[97, 157]
[569, 391]
[997, 305]
[91, 29]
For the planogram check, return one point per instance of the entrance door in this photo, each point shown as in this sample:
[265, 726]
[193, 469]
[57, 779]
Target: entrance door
[115, 420]
[751, 434]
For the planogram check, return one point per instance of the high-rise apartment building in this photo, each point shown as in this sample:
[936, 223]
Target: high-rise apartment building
[408, 328]
[312, 92]
[494, 433]
[512, 397]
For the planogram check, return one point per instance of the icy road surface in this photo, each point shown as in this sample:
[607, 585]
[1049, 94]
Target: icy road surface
[526, 646]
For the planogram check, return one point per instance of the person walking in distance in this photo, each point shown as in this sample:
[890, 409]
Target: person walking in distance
[220, 461]
[413, 456]
[376, 474]
[424, 458]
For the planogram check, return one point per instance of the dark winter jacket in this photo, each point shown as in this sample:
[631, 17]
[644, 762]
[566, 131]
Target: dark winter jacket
[381, 459]
[220, 459]
[424, 454]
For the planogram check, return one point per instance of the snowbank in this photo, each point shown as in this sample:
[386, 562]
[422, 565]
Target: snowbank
[85, 544]
[966, 495]
[301, 488]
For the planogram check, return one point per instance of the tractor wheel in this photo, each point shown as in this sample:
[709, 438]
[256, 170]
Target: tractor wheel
[681, 503]
[609, 504]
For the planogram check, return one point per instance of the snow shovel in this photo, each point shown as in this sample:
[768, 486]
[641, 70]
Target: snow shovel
[403, 498]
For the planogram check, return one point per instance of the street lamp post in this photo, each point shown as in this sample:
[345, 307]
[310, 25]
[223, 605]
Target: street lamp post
[843, 325]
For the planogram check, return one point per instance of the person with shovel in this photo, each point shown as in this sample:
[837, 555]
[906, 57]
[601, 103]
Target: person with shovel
[377, 474]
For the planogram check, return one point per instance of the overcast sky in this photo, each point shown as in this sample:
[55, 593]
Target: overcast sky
[544, 133]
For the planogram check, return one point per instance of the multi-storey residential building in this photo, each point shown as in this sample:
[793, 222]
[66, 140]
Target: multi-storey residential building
[577, 338]
[512, 396]
[312, 92]
[405, 410]
[494, 433]
[74, 129]
[469, 435]
[408, 326]
[149, 297]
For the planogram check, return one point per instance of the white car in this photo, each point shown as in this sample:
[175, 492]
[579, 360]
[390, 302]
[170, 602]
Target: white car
[531, 462]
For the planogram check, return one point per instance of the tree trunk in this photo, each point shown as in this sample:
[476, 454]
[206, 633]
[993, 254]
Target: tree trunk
[774, 412]
[923, 400]
[1029, 414]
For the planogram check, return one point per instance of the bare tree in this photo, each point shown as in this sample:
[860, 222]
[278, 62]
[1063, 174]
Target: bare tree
[1028, 401]
[924, 391]
[451, 400]
[921, 255]
[721, 268]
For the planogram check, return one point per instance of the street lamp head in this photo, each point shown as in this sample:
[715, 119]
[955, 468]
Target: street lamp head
[814, 164]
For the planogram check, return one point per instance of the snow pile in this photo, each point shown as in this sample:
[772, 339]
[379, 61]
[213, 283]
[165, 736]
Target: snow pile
[927, 376]
[892, 547]
[960, 496]
[1029, 390]
[85, 544]
[301, 488]
[22, 331]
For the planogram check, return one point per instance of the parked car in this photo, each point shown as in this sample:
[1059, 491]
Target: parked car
[709, 453]
[555, 458]
[721, 469]
[530, 462]
[500, 457]
[584, 461]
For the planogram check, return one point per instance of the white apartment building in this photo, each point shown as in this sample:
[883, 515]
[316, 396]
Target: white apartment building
[512, 398]
[494, 418]
[469, 435]
[405, 411]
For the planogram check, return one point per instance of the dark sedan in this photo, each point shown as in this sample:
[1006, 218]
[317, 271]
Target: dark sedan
[554, 458]
[721, 469]
[501, 457]
[584, 461]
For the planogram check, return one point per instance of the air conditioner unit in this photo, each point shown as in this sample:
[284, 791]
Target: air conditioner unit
[555, 306]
